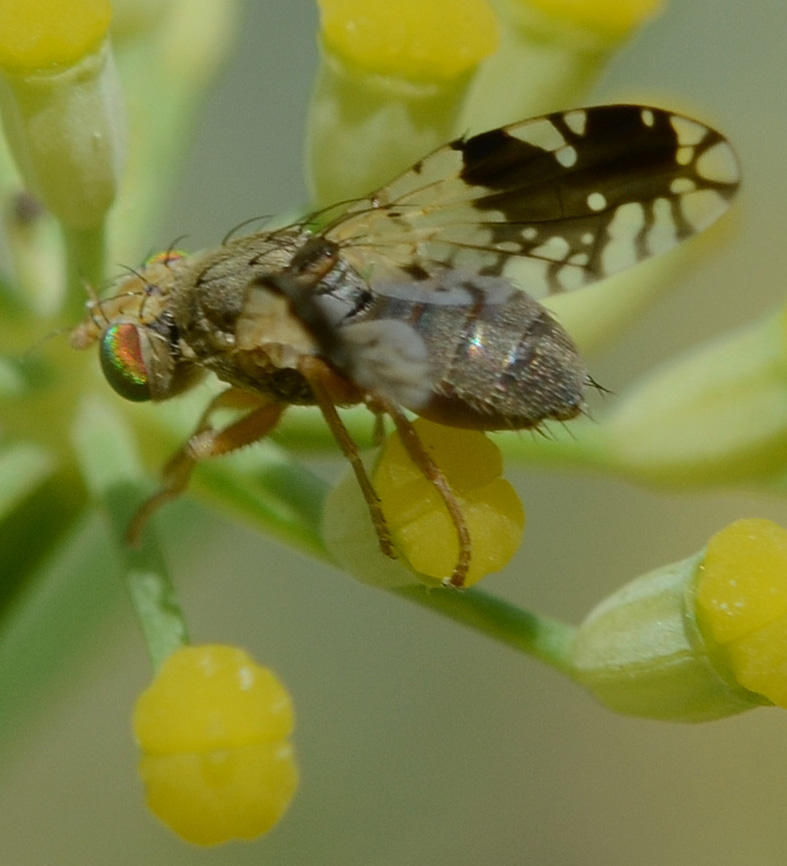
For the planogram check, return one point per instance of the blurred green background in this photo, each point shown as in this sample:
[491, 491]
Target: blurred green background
[419, 741]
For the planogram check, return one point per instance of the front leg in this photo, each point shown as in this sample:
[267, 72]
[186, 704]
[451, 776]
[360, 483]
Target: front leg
[205, 442]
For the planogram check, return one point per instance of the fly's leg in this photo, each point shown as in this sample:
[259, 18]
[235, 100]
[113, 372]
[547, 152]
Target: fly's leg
[324, 383]
[206, 442]
[433, 474]
[378, 434]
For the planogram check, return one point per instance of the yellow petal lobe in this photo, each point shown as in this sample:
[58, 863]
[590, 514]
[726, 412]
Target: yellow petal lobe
[415, 39]
[743, 585]
[742, 603]
[418, 519]
[36, 34]
[216, 761]
[612, 17]
[218, 796]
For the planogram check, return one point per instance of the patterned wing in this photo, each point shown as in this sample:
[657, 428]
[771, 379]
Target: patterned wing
[551, 203]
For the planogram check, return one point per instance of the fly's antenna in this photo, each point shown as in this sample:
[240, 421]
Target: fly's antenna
[149, 287]
[94, 304]
[27, 356]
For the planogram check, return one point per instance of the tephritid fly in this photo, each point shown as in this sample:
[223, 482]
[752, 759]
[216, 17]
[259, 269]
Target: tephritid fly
[421, 296]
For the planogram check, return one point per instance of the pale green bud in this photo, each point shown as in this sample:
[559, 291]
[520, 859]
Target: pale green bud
[65, 128]
[641, 653]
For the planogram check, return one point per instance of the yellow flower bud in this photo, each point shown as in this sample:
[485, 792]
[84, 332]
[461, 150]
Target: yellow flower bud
[420, 40]
[419, 522]
[65, 123]
[742, 599]
[36, 34]
[390, 86]
[611, 18]
[641, 652]
[554, 50]
[213, 729]
[420, 526]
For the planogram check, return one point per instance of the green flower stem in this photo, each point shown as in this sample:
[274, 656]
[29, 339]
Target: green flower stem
[582, 446]
[85, 266]
[545, 639]
[280, 498]
[116, 482]
[155, 603]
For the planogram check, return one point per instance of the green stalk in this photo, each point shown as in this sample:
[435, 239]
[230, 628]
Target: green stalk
[547, 640]
[117, 483]
[85, 266]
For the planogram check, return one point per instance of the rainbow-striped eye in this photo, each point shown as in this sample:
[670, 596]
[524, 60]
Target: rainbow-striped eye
[123, 362]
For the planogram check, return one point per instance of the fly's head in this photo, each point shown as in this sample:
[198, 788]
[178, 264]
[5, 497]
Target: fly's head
[138, 341]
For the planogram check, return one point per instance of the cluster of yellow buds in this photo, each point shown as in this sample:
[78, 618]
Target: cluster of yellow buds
[214, 732]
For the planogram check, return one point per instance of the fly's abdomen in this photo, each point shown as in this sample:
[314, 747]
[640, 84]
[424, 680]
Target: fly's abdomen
[496, 365]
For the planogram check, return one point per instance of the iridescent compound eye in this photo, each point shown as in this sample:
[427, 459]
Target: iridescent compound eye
[123, 363]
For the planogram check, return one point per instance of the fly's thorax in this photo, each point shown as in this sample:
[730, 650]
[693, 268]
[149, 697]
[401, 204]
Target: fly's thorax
[237, 319]
[209, 307]
[267, 324]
